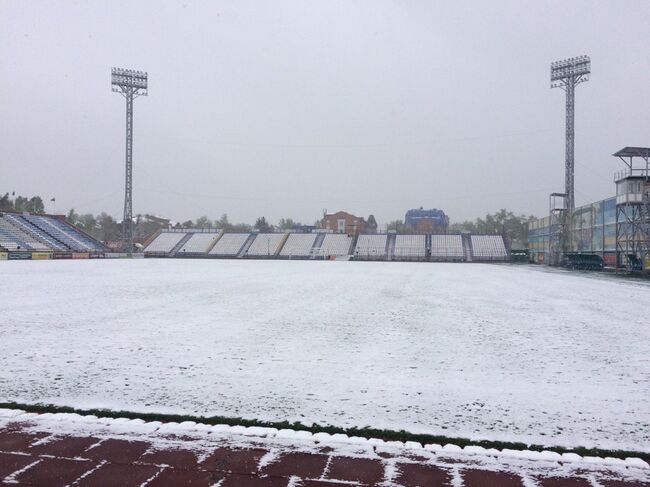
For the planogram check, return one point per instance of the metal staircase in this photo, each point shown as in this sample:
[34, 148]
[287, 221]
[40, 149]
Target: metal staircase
[247, 244]
[180, 244]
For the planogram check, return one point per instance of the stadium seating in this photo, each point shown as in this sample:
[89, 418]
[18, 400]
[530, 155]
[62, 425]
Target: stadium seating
[165, 242]
[447, 247]
[36, 239]
[12, 238]
[229, 245]
[410, 247]
[488, 247]
[371, 247]
[64, 233]
[335, 244]
[198, 243]
[298, 245]
[265, 245]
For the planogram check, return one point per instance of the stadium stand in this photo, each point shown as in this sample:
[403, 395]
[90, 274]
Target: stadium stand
[447, 247]
[64, 233]
[36, 234]
[266, 245]
[198, 243]
[164, 242]
[298, 245]
[13, 238]
[371, 247]
[488, 247]
[30, 232]
[335, 245]
[229, 245]
[410, 247]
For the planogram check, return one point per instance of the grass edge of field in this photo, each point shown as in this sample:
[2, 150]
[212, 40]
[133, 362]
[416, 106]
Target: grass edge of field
[364, 432]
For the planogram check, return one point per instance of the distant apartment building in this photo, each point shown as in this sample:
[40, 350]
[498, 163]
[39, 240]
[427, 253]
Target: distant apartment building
[343, 222]
[427, 221]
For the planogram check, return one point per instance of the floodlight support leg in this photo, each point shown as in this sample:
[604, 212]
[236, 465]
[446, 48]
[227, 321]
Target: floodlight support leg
[127, 222]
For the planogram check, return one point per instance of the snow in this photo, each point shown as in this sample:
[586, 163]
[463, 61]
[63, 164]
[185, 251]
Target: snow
[497, 352]
[202, 439]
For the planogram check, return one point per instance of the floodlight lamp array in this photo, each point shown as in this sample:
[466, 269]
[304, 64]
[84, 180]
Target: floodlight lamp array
[128, 79]
[576, 67]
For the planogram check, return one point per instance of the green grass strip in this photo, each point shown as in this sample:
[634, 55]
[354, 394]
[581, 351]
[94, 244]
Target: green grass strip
[365, 432]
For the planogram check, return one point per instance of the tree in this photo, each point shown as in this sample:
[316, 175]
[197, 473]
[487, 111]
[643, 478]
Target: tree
[109, 230]
[36, 204]
[371, 224]
[21, 203]
[6, 203]
[88, 224]
[514, 227]
[204, 222]
[262, 226]
[241, 228]
[72, 217]
[286, 223]
[187, 224]
[399, 226]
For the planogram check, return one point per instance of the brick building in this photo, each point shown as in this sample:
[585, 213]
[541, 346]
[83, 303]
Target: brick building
[343, 222]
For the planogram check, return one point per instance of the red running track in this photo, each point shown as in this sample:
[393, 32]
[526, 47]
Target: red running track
[61, 450]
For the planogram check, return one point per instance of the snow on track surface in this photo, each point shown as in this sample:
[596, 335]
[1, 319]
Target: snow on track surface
[497, 352]
[88, 451]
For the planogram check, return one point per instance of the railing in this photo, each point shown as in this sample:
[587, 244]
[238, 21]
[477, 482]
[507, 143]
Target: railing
[631, 172]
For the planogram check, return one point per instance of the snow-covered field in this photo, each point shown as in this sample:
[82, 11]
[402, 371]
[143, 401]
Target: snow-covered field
[482, 351]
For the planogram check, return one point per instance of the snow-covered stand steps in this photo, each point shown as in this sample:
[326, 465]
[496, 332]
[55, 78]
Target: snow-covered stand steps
[402, 247]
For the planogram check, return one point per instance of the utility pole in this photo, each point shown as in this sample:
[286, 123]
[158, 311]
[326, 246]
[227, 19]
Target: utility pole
[130, 84]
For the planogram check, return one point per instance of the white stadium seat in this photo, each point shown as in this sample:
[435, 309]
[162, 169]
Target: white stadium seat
[371, 246]
[298, 245]
[265, 244]
[165, 242]
[335, 244]
[489, 247]
[413, 246]
[198, 243]
[447, 246]
[229, 244]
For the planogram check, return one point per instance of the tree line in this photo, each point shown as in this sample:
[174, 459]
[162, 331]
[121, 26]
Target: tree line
[503, 222]
[105, 228]
[22, 203]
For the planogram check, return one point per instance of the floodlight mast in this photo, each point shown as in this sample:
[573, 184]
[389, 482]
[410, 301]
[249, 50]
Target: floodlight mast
[567, 74]
[130, 84]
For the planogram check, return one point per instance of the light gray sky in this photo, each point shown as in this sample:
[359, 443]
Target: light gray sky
[286, 108]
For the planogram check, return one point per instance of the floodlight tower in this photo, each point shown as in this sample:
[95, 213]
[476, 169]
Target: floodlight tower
[130, 84]
[567, 74]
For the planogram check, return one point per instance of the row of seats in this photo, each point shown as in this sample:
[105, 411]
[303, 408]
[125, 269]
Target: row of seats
[371, 246]
[265, 244]
[84, 240]
[62, 232]
[303, 245]
[13, 238]
[25, 231]
[230, 244]
[165, 242]
[298, 245]
[335, 244]
[413, 246]
[488, 247]
[36, 233]
[198, 243]
[447, 246]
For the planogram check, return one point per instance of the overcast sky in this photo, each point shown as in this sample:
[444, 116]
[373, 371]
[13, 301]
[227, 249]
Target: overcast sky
[284, 109]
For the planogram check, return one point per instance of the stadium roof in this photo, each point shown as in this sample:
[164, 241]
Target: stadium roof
[633, 152]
